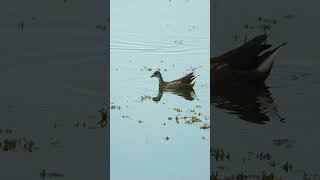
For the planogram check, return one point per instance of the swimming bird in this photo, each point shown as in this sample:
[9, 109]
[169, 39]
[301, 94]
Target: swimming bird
[186, 82]
[244, 65]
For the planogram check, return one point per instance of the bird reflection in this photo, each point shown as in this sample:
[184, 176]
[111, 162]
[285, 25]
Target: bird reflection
[187, 93]
[251, 104]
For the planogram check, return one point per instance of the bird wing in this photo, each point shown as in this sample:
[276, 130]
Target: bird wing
[187, 79]
[245, 56]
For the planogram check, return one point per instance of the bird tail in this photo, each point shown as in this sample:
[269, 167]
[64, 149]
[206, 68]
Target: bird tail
[193, 82]
[267, 63]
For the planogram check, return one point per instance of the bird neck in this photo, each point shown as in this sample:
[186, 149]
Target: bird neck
[161, 82]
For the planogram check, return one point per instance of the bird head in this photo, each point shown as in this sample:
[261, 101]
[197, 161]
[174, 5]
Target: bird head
[156, 74]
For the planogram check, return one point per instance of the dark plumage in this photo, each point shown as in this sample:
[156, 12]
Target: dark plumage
[185, 82]
[104, 117]
[244, 65]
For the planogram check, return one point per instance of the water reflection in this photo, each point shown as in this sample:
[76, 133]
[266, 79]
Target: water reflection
[252, 104]
[188, 94]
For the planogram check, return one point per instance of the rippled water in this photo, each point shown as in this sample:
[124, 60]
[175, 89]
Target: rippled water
[152, 136]
[275, 128]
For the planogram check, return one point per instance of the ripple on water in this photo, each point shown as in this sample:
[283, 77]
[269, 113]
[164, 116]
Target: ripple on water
[163, 45]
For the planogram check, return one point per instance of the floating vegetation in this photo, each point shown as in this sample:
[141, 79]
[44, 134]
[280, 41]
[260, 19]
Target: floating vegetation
[267, 20]
[297, 76]
[294, 77]
[177, 109]
[273, 164]
[20, 25]
[11, 108]
[263, 23]
[83, 124]
[219, 154]
[56, 142]
[245, 176]
[221, 167]
[56, 124]
[241, 176]
[264, 27]
[289, 16]
[192, 28]
[194, 119]
[260, 156]
[214, 176]
[143, 98]
[287, 167]
[205, 126]
[179, 42]
[193, 69]
[101, 27]
[17, 144]
[44, 174]
[113, 107]
[8, 144]
[310, 176]
[79, 124]
[188, 120]
[147, 69]
[7, 131]
[264, 156]
[282, 142]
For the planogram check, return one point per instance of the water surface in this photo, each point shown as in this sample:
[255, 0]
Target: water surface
[167, 138]
[53, 81]
[274, 129]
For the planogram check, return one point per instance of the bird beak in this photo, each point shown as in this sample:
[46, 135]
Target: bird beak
[152, 76]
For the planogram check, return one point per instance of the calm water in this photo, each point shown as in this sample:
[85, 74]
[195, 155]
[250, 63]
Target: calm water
[149, 139]
[276, 128]
[53, 80]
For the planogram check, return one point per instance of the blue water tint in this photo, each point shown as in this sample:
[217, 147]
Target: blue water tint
[145, 142]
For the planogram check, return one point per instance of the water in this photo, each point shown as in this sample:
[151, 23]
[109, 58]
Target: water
[280, 121]
[53, 75]
[151, 136]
